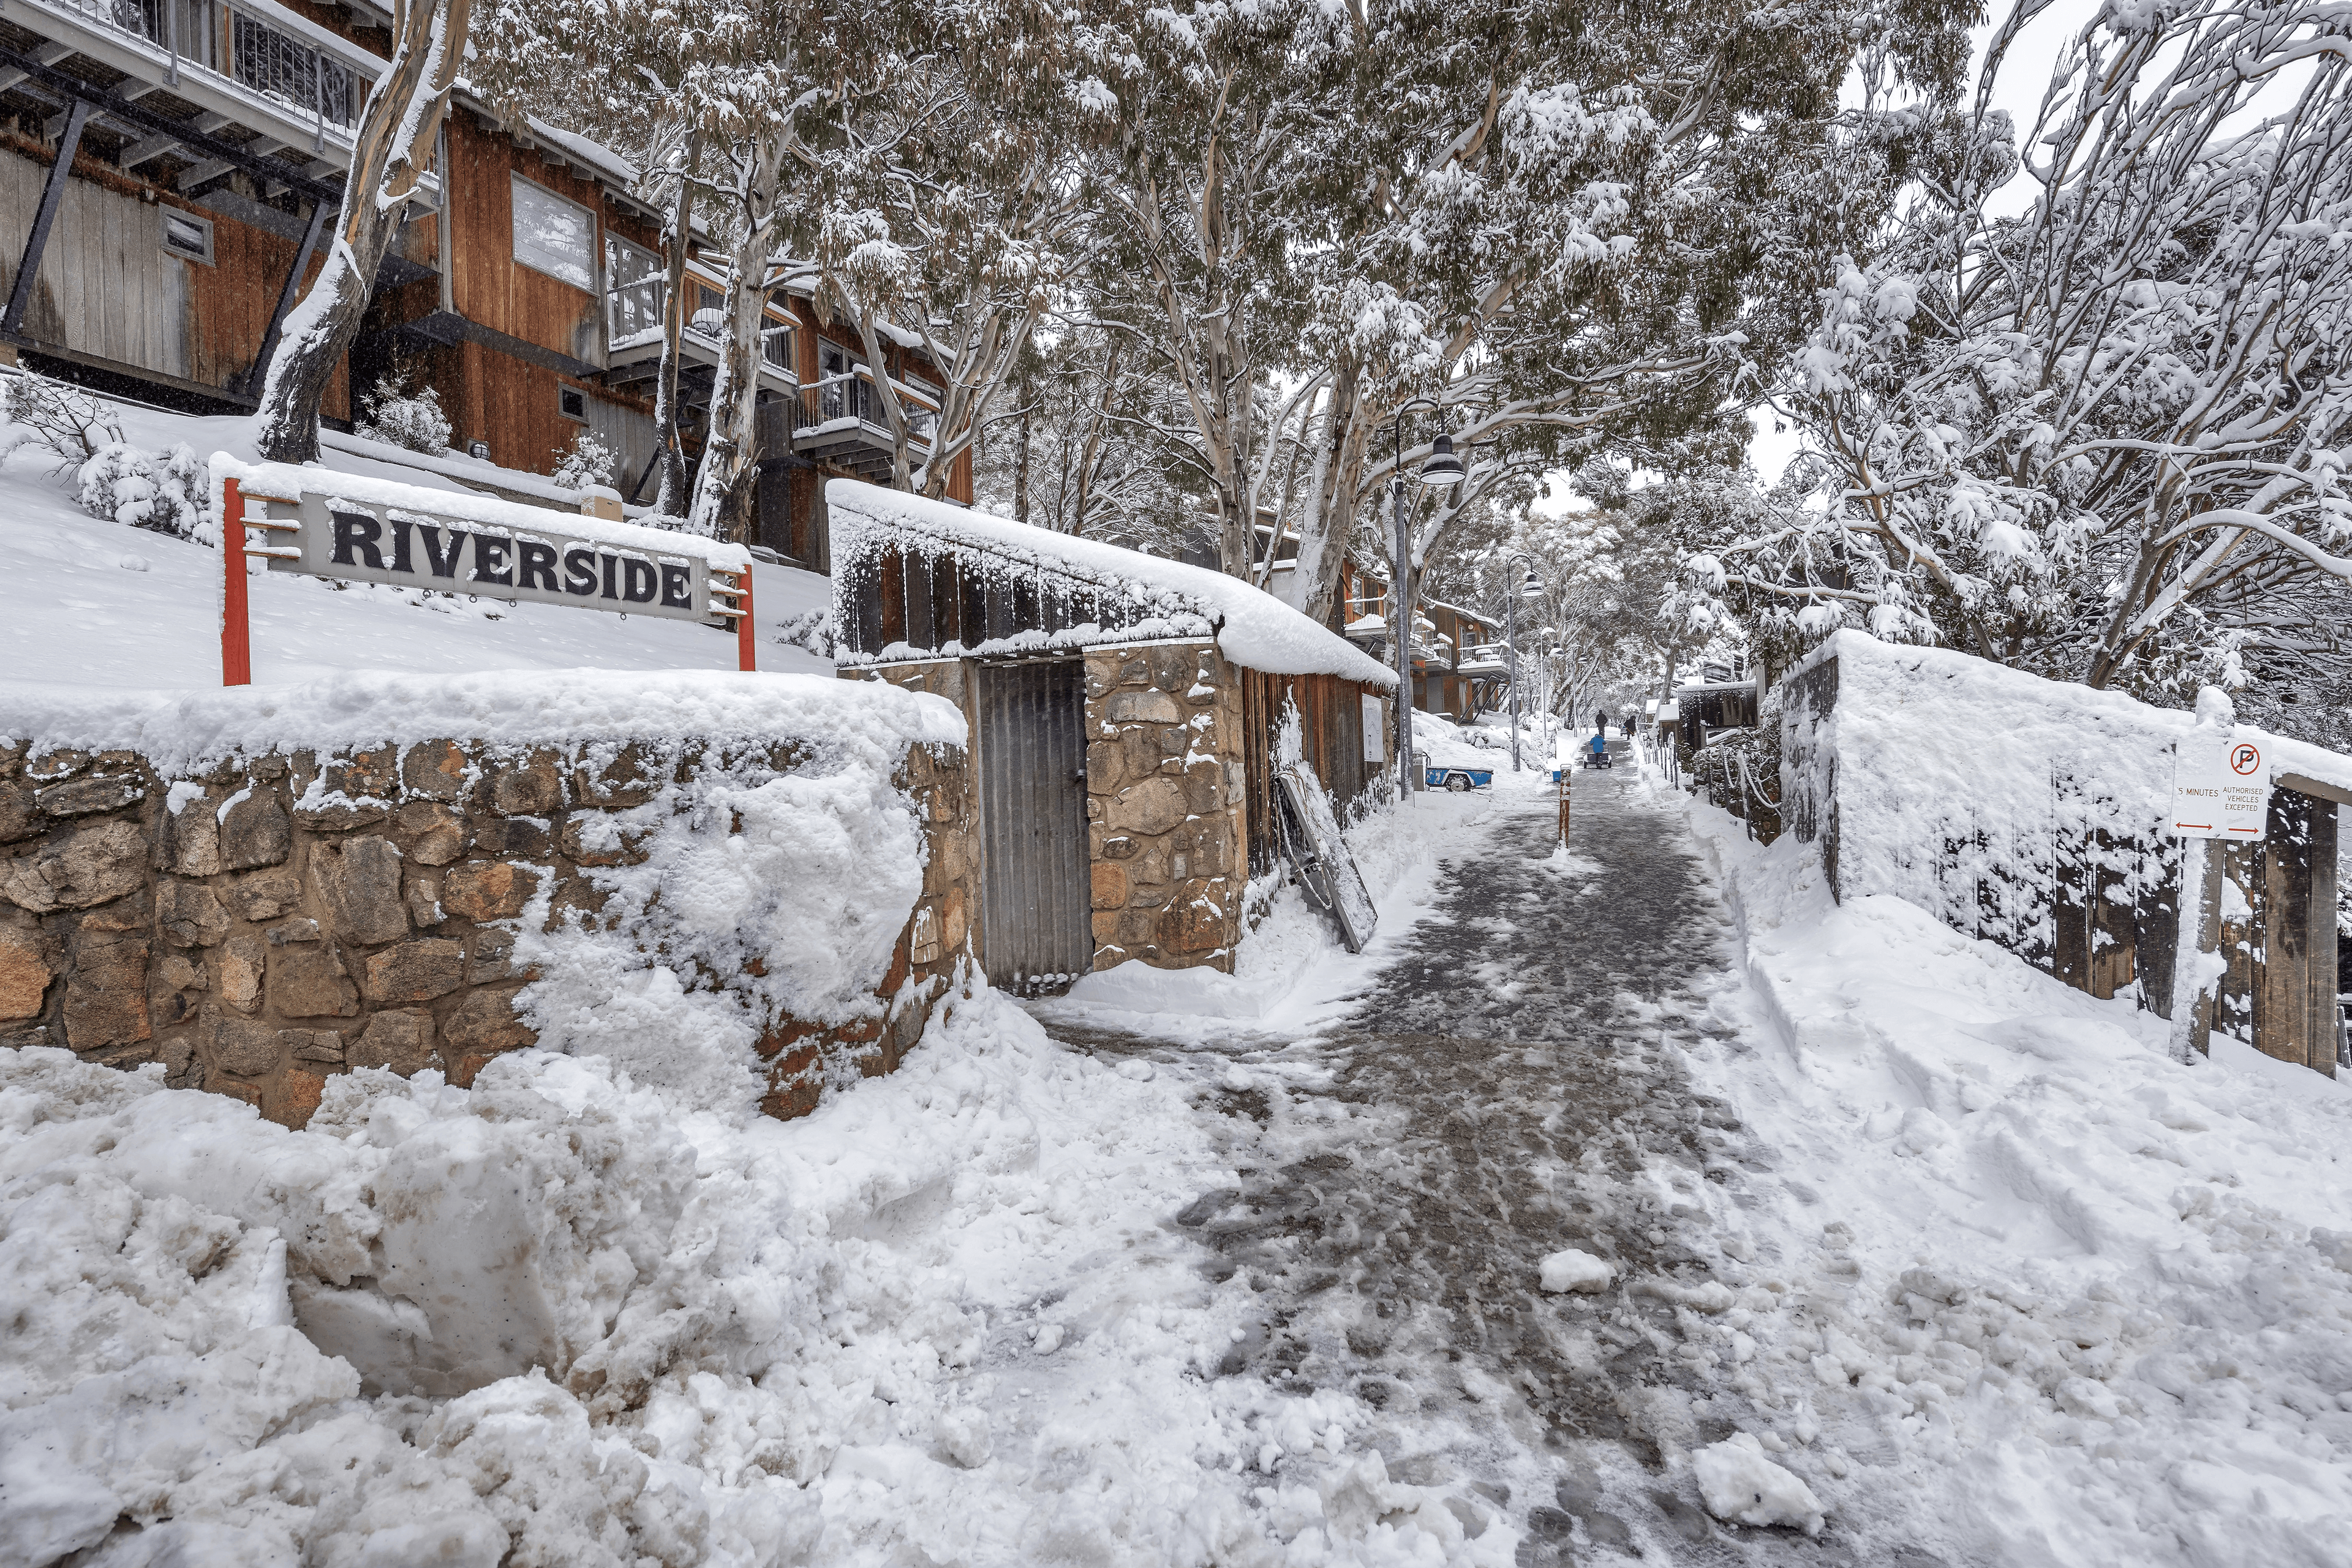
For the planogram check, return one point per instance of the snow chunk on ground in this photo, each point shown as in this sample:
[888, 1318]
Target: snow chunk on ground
[1574, 1270]
[1739, 1483]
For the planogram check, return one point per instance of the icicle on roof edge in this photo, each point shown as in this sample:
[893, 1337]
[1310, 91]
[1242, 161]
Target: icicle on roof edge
[1252, 627]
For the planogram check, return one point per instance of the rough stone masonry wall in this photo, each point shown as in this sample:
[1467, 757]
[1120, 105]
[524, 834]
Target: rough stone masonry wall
[279, 919]
[1164, 805]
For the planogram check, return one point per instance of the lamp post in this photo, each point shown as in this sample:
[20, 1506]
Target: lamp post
[1526, 588]
[1442, 468]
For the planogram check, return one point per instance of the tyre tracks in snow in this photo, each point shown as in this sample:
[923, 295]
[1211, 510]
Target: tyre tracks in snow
[1510, 1085]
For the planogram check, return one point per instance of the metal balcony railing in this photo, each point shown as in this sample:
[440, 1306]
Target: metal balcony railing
[235, 44]
[845, 404]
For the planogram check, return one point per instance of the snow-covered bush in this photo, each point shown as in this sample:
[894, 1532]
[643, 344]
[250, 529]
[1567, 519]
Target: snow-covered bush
[586, 463]
[404, 418]
[55, 416]
[812, 631]
[168, 492]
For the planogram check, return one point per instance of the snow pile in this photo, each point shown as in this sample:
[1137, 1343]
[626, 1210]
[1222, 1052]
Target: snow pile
[2019, 1287]
[1445, 745]
[186, 729]
[1160, 598]
[760, 896]
[1573, 1270]
[1739, 1483]
[552, 1318]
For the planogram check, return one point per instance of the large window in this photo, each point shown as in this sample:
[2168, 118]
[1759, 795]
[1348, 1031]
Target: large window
[554, 236]
[634, 278]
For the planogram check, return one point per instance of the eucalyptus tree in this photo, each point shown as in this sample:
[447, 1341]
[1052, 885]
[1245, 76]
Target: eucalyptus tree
[1554, 221]
[1195, 116]
[950, 219]
[2100, 438]
[390, 149]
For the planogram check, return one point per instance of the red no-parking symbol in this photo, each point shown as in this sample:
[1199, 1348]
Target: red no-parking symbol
[2244, 760]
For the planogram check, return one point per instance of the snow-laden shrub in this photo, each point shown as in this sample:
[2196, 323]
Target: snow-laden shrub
[394, 414]
[812, 631]
[586, 463]
[167, 492]
[55, 416]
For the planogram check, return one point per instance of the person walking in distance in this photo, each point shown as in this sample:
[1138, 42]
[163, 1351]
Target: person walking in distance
[1601, 722]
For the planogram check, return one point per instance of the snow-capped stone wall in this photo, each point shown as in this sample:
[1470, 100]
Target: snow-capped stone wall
[2035, 814]
[258, 922]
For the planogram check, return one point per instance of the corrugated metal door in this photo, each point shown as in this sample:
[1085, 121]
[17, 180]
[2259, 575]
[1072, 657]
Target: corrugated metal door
[1036, 925]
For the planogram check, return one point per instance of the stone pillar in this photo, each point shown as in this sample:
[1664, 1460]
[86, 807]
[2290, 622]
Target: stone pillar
[1164, 805]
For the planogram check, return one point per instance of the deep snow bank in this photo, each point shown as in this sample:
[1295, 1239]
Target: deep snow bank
[2034, 1293]
[944, 1318]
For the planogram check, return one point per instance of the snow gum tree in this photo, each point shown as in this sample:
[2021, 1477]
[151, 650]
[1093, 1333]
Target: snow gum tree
[1195, 115]
[950, 221]
[1553, 221]
[623, 68]
[390, 149]
[2099, 432]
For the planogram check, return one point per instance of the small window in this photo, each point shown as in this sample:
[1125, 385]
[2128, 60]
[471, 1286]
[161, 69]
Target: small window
[572, 403]
[187, 235]
[554, 236]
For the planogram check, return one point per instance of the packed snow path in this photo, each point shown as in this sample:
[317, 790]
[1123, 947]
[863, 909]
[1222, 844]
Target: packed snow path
[1510, 1087]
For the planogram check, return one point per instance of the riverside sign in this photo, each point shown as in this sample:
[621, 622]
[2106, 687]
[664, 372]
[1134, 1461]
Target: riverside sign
[317, 524]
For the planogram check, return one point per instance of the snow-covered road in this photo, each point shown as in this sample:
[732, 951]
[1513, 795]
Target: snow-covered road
[1866, 1243]
[1510, 1085]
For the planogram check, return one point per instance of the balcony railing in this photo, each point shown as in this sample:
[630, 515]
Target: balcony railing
[238, 44]
[845, 406]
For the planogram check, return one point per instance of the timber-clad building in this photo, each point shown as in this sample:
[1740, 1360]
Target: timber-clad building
[170, 172]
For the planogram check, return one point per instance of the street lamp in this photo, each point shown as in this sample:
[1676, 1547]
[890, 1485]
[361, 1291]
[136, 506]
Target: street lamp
[1442, 469]
[1532, 586]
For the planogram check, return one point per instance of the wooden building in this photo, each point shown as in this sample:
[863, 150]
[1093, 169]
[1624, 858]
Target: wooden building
[1453, 669]
[168, 169]
[1127, 716]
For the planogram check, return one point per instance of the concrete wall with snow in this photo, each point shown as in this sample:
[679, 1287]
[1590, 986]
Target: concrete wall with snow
[2035, 814]
[738, 887]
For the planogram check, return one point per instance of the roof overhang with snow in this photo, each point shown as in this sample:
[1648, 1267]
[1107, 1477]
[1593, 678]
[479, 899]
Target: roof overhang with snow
[924, 579]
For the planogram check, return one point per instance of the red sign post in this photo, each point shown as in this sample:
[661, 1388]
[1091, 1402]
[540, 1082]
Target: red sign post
[236, 624]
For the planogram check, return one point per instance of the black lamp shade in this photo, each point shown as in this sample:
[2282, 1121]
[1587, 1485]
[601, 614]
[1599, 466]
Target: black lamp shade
[1443, 468]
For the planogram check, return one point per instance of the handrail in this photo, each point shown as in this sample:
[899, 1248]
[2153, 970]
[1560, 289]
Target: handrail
[130, 21]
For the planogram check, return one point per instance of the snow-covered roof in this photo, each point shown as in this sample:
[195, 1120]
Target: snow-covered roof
[185, 729]
[1158, 599]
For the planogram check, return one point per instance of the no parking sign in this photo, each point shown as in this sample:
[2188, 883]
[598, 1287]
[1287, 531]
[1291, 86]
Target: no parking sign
[2221, 789]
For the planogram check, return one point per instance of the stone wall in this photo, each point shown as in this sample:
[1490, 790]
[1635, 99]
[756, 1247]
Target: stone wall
[1164, 805]
[275, 920]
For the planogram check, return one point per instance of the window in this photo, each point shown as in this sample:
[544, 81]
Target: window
[572, 403]
[554, 236]
[187, 235]
[634, 282]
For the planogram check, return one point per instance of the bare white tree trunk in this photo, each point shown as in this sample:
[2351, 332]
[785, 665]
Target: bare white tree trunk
[396, 130]
[729, 450]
